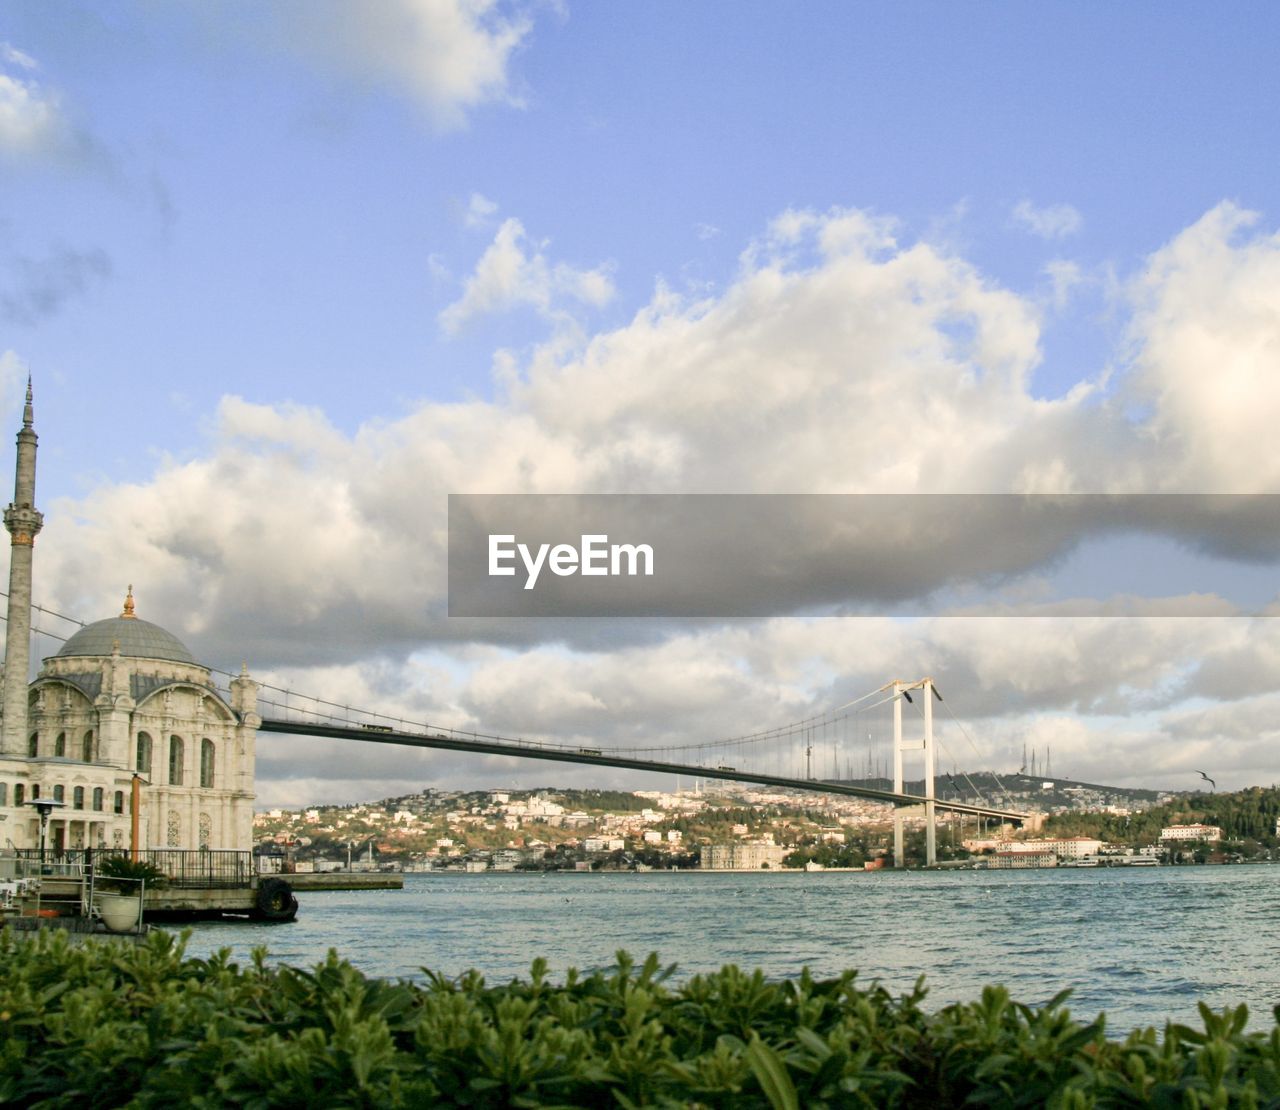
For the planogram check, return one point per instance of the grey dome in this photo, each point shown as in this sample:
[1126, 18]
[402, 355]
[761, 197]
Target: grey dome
[138, 638]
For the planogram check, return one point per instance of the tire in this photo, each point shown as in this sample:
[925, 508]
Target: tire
[274, 901]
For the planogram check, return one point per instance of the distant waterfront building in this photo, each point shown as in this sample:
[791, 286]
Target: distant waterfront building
[1064, 847]
[121, 699]
[1038, 857]
[1191, 832]
[747, 856]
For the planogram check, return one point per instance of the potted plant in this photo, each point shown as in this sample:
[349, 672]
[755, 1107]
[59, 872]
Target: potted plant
[118, 884]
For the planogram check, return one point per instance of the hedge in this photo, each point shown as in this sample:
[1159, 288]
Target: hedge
[105, 1024]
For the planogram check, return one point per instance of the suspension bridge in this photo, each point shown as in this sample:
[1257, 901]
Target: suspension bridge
[765, 758]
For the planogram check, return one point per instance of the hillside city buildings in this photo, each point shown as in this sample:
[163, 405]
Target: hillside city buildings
[733, 828]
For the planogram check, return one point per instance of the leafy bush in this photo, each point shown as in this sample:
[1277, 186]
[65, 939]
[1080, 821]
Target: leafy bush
[105, 1024]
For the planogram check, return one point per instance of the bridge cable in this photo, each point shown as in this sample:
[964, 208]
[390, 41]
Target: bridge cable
[965, 732]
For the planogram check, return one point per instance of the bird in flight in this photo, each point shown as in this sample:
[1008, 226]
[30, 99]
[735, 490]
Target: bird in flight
[1213, 785]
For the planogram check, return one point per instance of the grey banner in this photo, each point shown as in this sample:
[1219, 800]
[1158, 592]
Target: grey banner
[748, 555]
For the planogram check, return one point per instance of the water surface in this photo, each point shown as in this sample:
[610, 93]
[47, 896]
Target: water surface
[1142, 944]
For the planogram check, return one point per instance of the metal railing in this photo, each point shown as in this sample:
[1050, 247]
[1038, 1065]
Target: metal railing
[201, 870]
[191, 870]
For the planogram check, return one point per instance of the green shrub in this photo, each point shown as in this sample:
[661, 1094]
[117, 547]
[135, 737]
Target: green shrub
[107, 1024]
[122, 874]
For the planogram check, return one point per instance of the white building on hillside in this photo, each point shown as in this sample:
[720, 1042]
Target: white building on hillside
[1191, 832]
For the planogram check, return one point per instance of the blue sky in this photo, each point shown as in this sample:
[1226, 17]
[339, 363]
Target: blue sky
[432, 221]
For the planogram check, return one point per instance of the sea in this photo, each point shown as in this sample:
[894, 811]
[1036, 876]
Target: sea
[1143, 945]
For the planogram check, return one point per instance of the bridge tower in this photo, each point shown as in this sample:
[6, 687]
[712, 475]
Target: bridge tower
[901, 691]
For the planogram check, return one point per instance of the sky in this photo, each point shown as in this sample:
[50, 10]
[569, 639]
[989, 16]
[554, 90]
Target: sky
[287, 275]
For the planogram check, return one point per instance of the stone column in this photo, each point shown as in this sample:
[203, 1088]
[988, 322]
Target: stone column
[115, 705]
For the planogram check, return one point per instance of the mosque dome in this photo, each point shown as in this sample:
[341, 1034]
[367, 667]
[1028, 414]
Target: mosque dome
[138, 638]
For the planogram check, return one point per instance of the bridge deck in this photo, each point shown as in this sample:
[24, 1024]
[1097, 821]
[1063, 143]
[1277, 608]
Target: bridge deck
[602, 758]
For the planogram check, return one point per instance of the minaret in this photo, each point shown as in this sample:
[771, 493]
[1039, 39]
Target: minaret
[23, 522]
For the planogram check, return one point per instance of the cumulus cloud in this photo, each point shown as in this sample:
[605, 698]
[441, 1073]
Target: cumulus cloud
[1053, 221]
[837, 362]
[514, 272]
[450, 56]
[1206, 337]
[839, 359]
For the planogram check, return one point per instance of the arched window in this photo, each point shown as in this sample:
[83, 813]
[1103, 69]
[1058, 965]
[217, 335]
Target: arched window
[19, 793]
[119, 801]
[88, 746]
[4, 793]
[175, 760]
[144, 753]
[33, 745]
[35, 791]
[77, 796]
[97, 799]
[60, 793]
[206, 763]
[60, 746]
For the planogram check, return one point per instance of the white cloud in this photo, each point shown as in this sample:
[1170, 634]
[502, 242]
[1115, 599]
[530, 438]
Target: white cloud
[480, 210]
[860, 369]
[11, 55]
[1064, 277]
[1054, 221]
[1206, 335]
[31, 122]
[514, 272]
[450, 56]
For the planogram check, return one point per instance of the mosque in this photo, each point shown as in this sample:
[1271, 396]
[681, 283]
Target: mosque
[122, 718]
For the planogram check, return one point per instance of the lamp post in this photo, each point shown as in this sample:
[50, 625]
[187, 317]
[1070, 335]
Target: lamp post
[44, 806]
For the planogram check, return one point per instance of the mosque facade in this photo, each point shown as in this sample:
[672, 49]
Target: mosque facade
[122, 717]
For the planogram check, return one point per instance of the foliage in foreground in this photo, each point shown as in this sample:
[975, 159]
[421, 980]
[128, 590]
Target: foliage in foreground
[107, 1024]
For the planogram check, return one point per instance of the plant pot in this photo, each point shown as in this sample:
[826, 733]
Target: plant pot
[121, 913]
